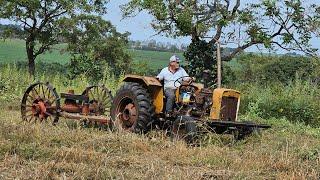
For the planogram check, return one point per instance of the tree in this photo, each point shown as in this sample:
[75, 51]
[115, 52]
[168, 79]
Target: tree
[11, 30]
[40, 20]
[152, 44]
[273, 24]
[138, 45]
[95, 46]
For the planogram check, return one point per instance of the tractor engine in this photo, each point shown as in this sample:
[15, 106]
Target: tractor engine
[193, 102]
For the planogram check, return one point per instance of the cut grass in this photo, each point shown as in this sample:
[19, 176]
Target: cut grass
[43, 151]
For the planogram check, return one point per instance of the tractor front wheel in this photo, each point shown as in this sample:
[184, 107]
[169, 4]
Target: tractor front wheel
[132, 108]
[185, 128]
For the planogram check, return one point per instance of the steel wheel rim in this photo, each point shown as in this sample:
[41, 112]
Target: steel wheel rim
[127, 113]
[101, 97]
[40, 103]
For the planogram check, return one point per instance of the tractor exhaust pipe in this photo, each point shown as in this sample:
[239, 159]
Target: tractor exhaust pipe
[219, 64]
[206, 78]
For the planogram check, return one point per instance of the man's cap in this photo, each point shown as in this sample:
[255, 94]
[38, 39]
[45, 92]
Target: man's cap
[174, 58]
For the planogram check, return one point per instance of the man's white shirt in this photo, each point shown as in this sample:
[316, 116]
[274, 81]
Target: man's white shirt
[169, 77]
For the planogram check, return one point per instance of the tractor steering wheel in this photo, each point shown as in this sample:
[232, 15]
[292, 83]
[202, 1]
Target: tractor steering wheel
[181, 78]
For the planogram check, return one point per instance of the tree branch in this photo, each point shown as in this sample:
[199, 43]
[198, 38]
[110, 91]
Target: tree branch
[217, 36]
[50, 16]
[25, 24]
[277, 33]
[42, 49]
[239, 49]
[235, 8]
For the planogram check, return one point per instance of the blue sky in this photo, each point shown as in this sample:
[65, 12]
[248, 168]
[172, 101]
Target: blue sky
[140, 27]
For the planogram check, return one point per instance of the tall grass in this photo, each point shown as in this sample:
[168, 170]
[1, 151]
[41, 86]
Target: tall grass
[14, 82]
[299, 101]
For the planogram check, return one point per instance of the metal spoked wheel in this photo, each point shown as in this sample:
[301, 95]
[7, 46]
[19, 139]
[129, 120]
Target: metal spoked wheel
[100, 98]
[40, 103]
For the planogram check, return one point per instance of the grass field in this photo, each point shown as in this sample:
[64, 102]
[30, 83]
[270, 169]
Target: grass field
[68, 151]
[41, 151]
[13, 50]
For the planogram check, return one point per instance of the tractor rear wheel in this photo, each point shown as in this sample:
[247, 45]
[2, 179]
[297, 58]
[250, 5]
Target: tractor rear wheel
[132, 108]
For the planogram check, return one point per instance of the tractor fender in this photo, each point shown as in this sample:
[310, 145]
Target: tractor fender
[144, 80]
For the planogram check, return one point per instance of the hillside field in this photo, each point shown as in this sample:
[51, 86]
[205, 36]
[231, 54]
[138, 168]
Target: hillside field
[13, 50]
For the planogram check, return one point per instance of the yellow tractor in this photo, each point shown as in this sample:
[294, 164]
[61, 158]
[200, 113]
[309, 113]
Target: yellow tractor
[139, 105]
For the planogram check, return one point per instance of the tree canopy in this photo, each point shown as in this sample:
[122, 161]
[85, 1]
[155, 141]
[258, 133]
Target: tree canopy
[289, 25]
[95, 47]
[41, 20]
[274, 24]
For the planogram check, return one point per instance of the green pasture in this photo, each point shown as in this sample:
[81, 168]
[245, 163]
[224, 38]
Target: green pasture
[13, 50]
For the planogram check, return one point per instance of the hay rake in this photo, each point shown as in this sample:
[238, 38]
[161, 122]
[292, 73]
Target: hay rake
[42, 103]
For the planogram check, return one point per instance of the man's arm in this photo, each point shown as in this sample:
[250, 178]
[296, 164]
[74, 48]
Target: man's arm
[160, 76]
[184, 73]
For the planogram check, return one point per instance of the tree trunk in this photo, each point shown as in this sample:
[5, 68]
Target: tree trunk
[30, 54]
[31, 67]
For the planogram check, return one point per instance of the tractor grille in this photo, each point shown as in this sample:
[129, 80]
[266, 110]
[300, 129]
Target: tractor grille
[229, 106]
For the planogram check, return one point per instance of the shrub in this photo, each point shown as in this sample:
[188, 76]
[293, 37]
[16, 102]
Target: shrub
[41, 67]
[83, 65]
[143, 68]
[200, 56]
[269, 69]
[298, 101]
[228, 75]
[285, 68]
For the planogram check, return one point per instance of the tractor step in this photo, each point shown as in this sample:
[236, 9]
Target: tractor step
[232, 124]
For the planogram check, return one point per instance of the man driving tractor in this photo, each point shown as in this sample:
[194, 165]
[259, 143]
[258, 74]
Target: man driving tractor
[170, 75]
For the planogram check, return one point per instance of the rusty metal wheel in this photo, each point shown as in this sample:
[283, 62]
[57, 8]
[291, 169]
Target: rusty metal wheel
[40, 103]
[100, 98]
[132, 108]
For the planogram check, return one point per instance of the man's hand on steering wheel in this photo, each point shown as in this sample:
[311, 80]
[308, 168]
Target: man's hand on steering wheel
[186, 81]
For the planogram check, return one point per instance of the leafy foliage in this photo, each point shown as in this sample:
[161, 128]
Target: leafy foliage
[95, 46]
[283, 69]
[274, 24]
[41, 20]
[201, 56]
[297, 101]
[10, 30]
